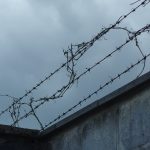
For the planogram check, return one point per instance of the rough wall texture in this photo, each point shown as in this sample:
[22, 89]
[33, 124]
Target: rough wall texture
[18, 139]
[17, 143]
[124, 125]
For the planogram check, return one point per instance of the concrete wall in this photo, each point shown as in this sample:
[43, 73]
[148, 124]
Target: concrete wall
[120, 122]
[17, 143]
[18, 139]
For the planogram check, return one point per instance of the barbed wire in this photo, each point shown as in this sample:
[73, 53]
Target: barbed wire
[131, 36]
[101, 87]
[73, 54]
[139, 1]
[80, 50]
[60, 93]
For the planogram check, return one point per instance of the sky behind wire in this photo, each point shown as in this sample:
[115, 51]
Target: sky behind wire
[33, 34]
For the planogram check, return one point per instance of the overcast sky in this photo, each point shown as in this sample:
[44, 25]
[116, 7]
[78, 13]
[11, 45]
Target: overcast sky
[33, 34]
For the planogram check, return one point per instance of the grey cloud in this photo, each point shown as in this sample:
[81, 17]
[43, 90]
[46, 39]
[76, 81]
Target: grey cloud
[34, 32]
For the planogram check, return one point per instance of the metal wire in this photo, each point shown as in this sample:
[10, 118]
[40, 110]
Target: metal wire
[80, 51]
[73, 54]
[60, 92]
[101, 87]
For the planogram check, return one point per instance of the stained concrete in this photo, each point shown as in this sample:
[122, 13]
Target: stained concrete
[119, 121]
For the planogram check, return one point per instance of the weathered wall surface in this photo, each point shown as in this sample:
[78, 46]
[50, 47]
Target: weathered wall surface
[123, 125]
[18, 139]
[17, 143]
